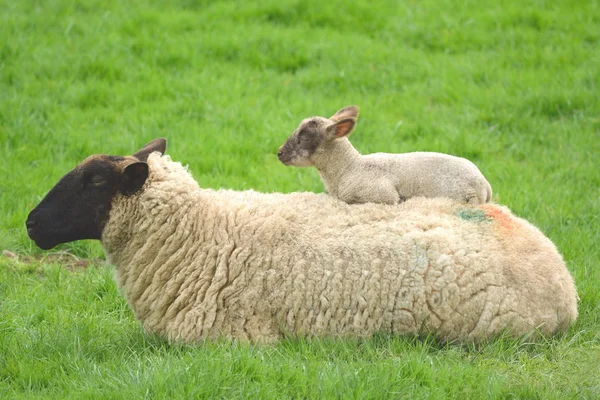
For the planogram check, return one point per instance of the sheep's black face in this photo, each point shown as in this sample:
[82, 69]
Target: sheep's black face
[303, 143]
[78, 206]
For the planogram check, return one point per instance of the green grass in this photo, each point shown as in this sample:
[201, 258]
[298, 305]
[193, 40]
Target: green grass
[514, 86]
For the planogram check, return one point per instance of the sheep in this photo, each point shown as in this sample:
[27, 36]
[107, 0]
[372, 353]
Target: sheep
[380, 177]
[200, 264]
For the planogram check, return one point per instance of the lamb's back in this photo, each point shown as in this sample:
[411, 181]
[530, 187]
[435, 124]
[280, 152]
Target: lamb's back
[423, 174]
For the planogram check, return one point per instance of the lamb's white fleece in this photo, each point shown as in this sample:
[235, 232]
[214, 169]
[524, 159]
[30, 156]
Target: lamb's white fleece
[379, 177]
[198, 263]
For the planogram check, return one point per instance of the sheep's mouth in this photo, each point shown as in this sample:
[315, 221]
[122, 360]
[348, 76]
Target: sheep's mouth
[46, 239]
[44, 243]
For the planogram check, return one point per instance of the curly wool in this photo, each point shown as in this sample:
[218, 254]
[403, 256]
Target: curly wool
[200, 264]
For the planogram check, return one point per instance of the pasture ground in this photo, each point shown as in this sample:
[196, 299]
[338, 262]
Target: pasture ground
[512, 85]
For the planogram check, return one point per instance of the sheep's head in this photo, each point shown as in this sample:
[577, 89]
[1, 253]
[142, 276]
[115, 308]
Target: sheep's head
[77, 206]
[315, 133]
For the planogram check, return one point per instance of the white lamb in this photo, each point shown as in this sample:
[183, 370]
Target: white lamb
[380, 177]
[201, 264]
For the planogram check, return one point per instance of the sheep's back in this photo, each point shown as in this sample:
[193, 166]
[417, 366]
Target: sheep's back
[459, 273]
[428, 266]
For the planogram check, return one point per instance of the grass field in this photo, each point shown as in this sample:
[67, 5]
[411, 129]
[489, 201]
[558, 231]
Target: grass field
[514, 86]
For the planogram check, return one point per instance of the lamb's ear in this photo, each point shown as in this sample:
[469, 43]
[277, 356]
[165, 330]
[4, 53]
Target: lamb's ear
[346, 112]
[133, 178]
[159, 145]
[341, 128]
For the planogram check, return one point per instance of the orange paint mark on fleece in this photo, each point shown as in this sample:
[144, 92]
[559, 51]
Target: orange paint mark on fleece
[498, 215]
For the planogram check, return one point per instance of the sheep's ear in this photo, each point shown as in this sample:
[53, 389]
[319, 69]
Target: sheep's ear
[133, 178]
[346, 112]
[341, 128]
[159, 145]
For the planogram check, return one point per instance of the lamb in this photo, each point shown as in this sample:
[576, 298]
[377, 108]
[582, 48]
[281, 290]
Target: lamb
[199, 264]
[380, 177]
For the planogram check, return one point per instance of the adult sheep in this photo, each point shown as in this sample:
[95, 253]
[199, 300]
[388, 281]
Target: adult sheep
[200, 264]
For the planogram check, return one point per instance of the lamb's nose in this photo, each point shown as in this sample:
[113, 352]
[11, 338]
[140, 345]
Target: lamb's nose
[279, 153]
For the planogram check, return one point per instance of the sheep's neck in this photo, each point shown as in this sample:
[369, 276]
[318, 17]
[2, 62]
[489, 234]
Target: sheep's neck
[336, 159]
[131, 225]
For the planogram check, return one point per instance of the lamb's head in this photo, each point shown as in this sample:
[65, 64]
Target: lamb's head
[77, 207]
[314, 134]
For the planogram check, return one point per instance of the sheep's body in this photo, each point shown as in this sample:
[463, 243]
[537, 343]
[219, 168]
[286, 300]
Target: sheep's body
[196, 264]
[380, 177]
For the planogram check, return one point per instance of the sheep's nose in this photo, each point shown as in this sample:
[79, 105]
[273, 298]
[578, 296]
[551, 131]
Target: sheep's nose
[30, 223]
[279, 153]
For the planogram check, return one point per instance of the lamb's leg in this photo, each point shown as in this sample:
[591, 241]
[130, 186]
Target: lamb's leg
[387, 193]
[373, 192]
[473, 199]
[401, 199]
[390, 195]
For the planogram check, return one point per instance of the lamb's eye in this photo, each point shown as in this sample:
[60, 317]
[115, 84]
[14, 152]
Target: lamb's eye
[97, 180]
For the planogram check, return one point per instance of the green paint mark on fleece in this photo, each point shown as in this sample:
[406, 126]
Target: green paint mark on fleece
[472, 214]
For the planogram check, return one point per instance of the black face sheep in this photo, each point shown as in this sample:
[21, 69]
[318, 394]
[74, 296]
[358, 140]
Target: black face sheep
[200, 264]
[380, 177]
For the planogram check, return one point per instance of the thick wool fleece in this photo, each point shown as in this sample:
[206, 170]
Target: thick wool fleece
[199, 264]
[393, 178]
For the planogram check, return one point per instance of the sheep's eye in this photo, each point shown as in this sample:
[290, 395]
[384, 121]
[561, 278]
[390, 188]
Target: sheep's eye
[97, 180]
